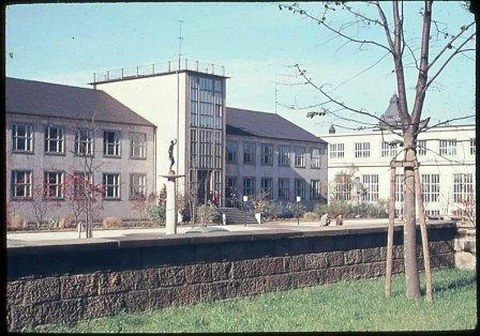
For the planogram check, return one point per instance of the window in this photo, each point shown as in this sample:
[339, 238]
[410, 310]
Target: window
[84, 141]
[448, 147]
[421, 147]
[399, 181]
[431, 187]
[370, 183]
[266, 187]
[231, 191]
[283, 156]
[362, 149]
[111, 143]
[206, 149]
[284, 188]
[343, 187]
[472, 146]
[22, 138]
[249, 153]
[111, 183]
[231, 152]
[138, 145]
[337, 151]
[463, 188]
[315, 189]
[54, 139]
[300, 188]
[267, 154]
[21, 184]
[81, 182]
[389, 149]
[300, 157]
[54, 184]
[249, 186]
[316, 159]
[138, 186]
[193, 148]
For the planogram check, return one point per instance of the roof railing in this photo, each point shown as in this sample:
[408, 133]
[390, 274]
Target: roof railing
[157, 69]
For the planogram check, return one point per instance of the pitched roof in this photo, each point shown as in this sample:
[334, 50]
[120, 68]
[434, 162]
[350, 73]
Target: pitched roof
[54, 100]
[262, 124]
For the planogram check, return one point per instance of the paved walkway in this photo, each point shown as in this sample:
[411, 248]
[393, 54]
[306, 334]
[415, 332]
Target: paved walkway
[303, 226]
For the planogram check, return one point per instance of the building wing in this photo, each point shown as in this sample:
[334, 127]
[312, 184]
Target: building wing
[262, 124]
[54, 100]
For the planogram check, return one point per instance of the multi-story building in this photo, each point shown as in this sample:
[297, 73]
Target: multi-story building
[57, 133]
[268, 156]
[186, 101]
[447, 166]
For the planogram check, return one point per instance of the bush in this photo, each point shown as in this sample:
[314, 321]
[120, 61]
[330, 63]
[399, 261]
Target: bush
[349, 210]
[156, 212]
[14, 221]
[310, 217]
[295, 209]
[208, 214]
[112, 222]
[66, 222]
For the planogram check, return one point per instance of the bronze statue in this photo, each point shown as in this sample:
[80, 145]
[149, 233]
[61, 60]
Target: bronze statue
[170, 153]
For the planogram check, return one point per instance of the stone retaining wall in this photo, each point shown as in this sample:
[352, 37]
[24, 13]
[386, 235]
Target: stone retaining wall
[56, 281]
[465, 247]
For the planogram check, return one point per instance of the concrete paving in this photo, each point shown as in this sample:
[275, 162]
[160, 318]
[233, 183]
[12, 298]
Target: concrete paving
[99, 233]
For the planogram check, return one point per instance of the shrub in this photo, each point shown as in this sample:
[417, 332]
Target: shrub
[14, 221]
[310, 217]
[112, 222]
[349, 210]
[156, 212]
[208, 214]
[51, 222]
[66, 222]
[295, 209]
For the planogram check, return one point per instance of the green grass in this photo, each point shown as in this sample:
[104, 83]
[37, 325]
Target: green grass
[347, 306]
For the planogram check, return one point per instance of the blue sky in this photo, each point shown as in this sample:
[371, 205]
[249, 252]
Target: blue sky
[256, 42]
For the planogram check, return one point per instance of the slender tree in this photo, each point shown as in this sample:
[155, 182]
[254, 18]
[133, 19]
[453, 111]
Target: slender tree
[428, 68]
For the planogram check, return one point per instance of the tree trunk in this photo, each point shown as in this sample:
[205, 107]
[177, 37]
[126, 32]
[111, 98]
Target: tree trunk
[409, 232]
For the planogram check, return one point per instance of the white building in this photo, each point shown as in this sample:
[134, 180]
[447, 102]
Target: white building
[447, 166]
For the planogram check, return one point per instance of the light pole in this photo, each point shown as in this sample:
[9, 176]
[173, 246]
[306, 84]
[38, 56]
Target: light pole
[298, 209]
[245, 200]
[357, 189]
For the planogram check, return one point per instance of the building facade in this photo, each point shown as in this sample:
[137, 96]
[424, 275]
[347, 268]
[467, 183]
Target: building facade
[186, 101]
[359, 167]
[269, 157]
[60, 137]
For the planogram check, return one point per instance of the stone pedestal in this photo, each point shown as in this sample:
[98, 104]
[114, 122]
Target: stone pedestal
[171, 204]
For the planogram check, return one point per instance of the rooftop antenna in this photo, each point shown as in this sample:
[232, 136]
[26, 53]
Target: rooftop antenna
[180, 40]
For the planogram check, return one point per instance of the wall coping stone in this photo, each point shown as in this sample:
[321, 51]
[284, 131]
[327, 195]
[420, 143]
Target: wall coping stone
[152, 240]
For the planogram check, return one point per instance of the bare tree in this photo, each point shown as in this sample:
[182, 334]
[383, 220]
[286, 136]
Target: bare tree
[428, 68]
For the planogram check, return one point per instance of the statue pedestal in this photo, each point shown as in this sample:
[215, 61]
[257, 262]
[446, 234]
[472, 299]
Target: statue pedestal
[171, 205]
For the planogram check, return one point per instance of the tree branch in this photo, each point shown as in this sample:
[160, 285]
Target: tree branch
[334, 101]
[449, 121]
[449, 44]
[296, 9]
[457, 51]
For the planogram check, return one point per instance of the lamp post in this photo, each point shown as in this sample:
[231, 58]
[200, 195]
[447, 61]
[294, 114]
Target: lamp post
[245, 200]
[298, 209]
[357, 189]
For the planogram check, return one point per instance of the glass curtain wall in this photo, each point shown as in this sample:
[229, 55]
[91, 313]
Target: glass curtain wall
[206, 139]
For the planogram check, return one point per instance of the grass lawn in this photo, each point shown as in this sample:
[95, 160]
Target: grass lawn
[347, 306]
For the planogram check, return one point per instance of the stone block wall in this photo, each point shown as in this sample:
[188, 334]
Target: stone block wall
[53, 282]
[465, 247]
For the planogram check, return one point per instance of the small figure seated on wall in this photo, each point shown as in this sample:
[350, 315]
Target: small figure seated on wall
[339, 220]
[325, 220]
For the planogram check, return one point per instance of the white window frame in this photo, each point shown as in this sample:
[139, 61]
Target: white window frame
[249, 188]
[337, 151]
[283, 156]
[284, 188]
[138, 185]
[114, 187]
[84, 142]
[371, 184]
[300, 157]
[389, 149]
[266, 187]
[25, 137]
[21, 179]
[300, 188]
[421, 147]
[431, 187]
[57, 186]
[231, 150]
[111, 149]
[315, 187]
[249, 151]
[138, 145]
[362, 150]
[399, 185]
[463, 188]
[316, 158]
[59, 140]
[447, 147]
[266, 152]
